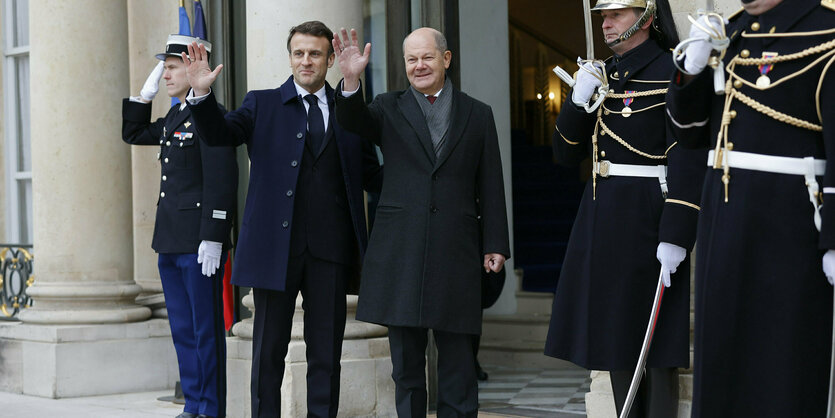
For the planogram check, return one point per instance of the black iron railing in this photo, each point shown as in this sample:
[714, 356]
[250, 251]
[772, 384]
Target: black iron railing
[16, 268]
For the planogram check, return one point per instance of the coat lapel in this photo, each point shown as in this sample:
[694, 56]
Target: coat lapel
[461, 107]
[410, 110]
[176, 121]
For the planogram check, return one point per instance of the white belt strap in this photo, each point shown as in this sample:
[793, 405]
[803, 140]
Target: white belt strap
[807, 167]
[606, 168]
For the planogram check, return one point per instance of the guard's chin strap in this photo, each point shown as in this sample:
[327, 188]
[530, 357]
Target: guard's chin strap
[648, 12]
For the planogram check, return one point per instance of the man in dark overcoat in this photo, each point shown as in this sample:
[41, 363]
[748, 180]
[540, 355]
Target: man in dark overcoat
[763, 330]
[443, 172]
[304, 222]
[640, 204]
[196, 205]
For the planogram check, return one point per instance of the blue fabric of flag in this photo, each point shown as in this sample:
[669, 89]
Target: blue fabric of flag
[199, 22]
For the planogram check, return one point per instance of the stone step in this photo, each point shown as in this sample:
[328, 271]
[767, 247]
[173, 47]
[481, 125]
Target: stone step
[534, 302]
[520, 326]
[601, 404]
[518, 353]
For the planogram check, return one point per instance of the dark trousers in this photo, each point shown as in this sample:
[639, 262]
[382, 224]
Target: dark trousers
[195, 314]
[322, 284]
[657, 396]
[457, 386]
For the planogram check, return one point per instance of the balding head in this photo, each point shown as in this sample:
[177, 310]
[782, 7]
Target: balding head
[425, 34]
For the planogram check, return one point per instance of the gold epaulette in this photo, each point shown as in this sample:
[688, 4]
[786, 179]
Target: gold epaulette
[829, 4]
[738, 12]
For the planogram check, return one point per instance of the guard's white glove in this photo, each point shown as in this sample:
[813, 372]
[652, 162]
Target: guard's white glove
[829, 265]
[586, 84]
[697, 53]
[670, 256]
[208, 254]
[151, 86]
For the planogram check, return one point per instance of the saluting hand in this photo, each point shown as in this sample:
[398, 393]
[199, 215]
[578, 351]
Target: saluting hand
[493, 262]
[200, 75]
[352, 61]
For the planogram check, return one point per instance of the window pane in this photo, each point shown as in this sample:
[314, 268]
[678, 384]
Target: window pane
[25, 211]
[21, 22]
[23, 143]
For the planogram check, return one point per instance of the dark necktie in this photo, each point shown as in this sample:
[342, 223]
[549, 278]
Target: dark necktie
[315, 123]
[431, 99]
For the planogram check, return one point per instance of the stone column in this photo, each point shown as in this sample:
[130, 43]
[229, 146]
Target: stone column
[149, 24]
[82, 337]
[80, 176]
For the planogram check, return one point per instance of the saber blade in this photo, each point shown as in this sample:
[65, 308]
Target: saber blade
[589, 30]
[642, 359]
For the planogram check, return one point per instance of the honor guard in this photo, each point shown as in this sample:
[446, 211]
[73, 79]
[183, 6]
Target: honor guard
[196, 205]
[639, 207]
[763, 327]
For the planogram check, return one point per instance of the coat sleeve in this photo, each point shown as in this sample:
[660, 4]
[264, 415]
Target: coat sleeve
[827, 114]
[355, 116]
[216, 129]
[220, 186]
[572, 134]
[685, 175]
[137, 128]
[491, 195]
[688, 109]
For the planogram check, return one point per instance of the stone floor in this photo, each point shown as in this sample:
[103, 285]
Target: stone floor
[507, 393]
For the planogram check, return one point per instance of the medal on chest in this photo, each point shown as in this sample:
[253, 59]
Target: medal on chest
[627, 111]
[763, 81]
[182, 136]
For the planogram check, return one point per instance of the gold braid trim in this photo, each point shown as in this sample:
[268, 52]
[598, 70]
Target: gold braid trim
[774, 114]
[626, 144]
[606, 109]
[788, 34]
[636, 94]
[765, 61]
[682, 202]
[818, 90]
[564, 138]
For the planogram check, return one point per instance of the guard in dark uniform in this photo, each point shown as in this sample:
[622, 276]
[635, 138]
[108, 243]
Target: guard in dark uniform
[763, 328]
[195, 209]
[640, 204]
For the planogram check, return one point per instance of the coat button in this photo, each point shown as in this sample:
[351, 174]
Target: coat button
[755, 26]
[435, 177]
[164, 178]
[300, 135]
[161, 194]
[433, 209]
[160, 142]
[294, 163]
[166, 159]
[198, 204]
[289, 193]
[167, 143]
[285, 224]
[744, 53]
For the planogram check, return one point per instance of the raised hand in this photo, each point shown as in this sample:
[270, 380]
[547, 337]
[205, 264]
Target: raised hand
[352, 61]
[200, 76]
[151, 86]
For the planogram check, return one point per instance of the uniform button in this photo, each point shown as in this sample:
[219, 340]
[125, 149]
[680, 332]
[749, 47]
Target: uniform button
[285, 224]
[289, 193]
[161, 194]
[294, 163]
[744, 53]
[603, 153]
[435, 177]
[167, 143]
[181, 144]
[433, 209]
[732, 114]
[755, 26]
[198, 204]
[166, 159]
[730, 146]
[164, 178]
[160, 142]
[737, 84]
[300, 135]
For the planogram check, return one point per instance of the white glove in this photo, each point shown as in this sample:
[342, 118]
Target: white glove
[829, 265]
[698, 52]
[208, 254]
[151, 86]
[670, 256]
[587, 83]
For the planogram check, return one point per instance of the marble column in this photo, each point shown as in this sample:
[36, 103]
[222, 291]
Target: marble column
[149, 24]
[81, 176]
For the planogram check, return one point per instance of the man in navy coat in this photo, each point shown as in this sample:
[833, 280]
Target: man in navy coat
[304, 222]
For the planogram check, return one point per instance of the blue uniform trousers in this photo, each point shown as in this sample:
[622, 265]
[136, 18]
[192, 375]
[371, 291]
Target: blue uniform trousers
[195, 313]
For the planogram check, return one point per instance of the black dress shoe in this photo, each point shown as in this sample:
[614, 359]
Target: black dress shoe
[187, 415]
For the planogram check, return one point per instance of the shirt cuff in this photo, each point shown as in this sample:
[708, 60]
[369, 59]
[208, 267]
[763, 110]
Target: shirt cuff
[193, 100]
[347, 94]
[137, 99]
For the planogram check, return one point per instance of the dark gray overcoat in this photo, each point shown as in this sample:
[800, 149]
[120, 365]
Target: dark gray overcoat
[424, 262]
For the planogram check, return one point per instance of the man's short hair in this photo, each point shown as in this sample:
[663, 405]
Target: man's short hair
[440, 41]
[313, 28]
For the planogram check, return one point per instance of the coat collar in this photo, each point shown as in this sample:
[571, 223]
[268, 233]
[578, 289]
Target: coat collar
[782, 17]
[461, 107]
[288, 92]
[634, 60]
[177, 120]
